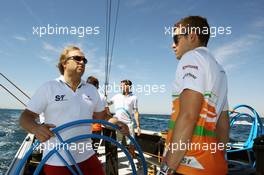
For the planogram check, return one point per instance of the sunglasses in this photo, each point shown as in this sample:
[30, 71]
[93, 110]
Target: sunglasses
[78, 59]
[176, 38]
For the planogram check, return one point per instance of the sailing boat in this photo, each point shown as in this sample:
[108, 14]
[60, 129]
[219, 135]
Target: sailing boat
[150, 142]
[243, 159]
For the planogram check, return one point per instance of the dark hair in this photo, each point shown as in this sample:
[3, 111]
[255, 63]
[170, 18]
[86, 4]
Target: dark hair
[94, 81]
[194, 23]
[63, 57]
[127, 82]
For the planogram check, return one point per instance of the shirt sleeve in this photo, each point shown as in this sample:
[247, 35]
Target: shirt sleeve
[226, 106]
[99, 107]
[112, 100]
[39, 100]
[103, 99]
[192, 73]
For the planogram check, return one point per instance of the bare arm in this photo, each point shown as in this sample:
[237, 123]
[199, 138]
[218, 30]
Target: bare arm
[137, 119]
[138, 123]
[190, 107]
[27, 121]
[222, 127]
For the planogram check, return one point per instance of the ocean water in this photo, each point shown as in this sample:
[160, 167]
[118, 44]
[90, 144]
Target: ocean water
[11, 135]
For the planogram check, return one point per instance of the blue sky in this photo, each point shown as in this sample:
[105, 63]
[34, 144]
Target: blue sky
[142, 52]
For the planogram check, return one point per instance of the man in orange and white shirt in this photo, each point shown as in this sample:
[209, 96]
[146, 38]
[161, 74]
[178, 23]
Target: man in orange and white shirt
[199, 125]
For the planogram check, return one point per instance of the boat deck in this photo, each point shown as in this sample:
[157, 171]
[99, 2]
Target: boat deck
[124, 167]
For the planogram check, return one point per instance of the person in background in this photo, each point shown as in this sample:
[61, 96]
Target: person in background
[97, 127]
[125, 105]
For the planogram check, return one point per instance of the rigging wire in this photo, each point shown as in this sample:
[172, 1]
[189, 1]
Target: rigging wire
[113, 42]
[107, 33]
[15, 85]
[108, 52]
[106, 38]
[12, 95]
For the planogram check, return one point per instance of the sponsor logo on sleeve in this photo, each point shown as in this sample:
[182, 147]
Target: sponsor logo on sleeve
[189, 75]
[190, 66]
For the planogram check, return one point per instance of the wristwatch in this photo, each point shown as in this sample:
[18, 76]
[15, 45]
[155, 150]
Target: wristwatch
[165, 170]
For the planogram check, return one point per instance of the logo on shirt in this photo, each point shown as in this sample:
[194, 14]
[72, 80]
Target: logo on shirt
[189, 75]
[190, 66]
[87, 98]
[60, 98]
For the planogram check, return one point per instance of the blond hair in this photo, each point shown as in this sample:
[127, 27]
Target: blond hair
[63, 57]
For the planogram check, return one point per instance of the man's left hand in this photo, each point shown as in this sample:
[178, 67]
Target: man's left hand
[138, 131]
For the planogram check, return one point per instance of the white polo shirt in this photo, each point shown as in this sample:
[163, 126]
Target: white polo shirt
[125, 105]
[103, 99]
[60, 105]
[198, 70]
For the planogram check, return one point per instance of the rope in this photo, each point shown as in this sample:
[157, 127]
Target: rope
[113, 42]
[12, 95]
[108, 52]
[15, 85]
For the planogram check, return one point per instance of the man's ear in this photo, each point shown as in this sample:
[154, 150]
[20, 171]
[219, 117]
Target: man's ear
[193, 37]
[63, 64]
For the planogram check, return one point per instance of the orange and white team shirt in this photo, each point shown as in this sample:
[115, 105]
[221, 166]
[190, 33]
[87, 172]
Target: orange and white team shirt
[199, 71]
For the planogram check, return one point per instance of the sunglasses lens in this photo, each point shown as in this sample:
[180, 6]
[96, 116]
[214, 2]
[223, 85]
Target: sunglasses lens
[79, 59]
[175, 39]
[85, 60]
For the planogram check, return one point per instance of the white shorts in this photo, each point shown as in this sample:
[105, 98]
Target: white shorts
[123, 139]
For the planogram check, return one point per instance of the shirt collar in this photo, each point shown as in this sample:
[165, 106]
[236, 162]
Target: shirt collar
[62, 80]
[201, 48]
[128, 95]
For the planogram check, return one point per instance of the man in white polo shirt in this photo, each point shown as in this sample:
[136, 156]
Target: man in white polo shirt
[125, 105]
[63, 100]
